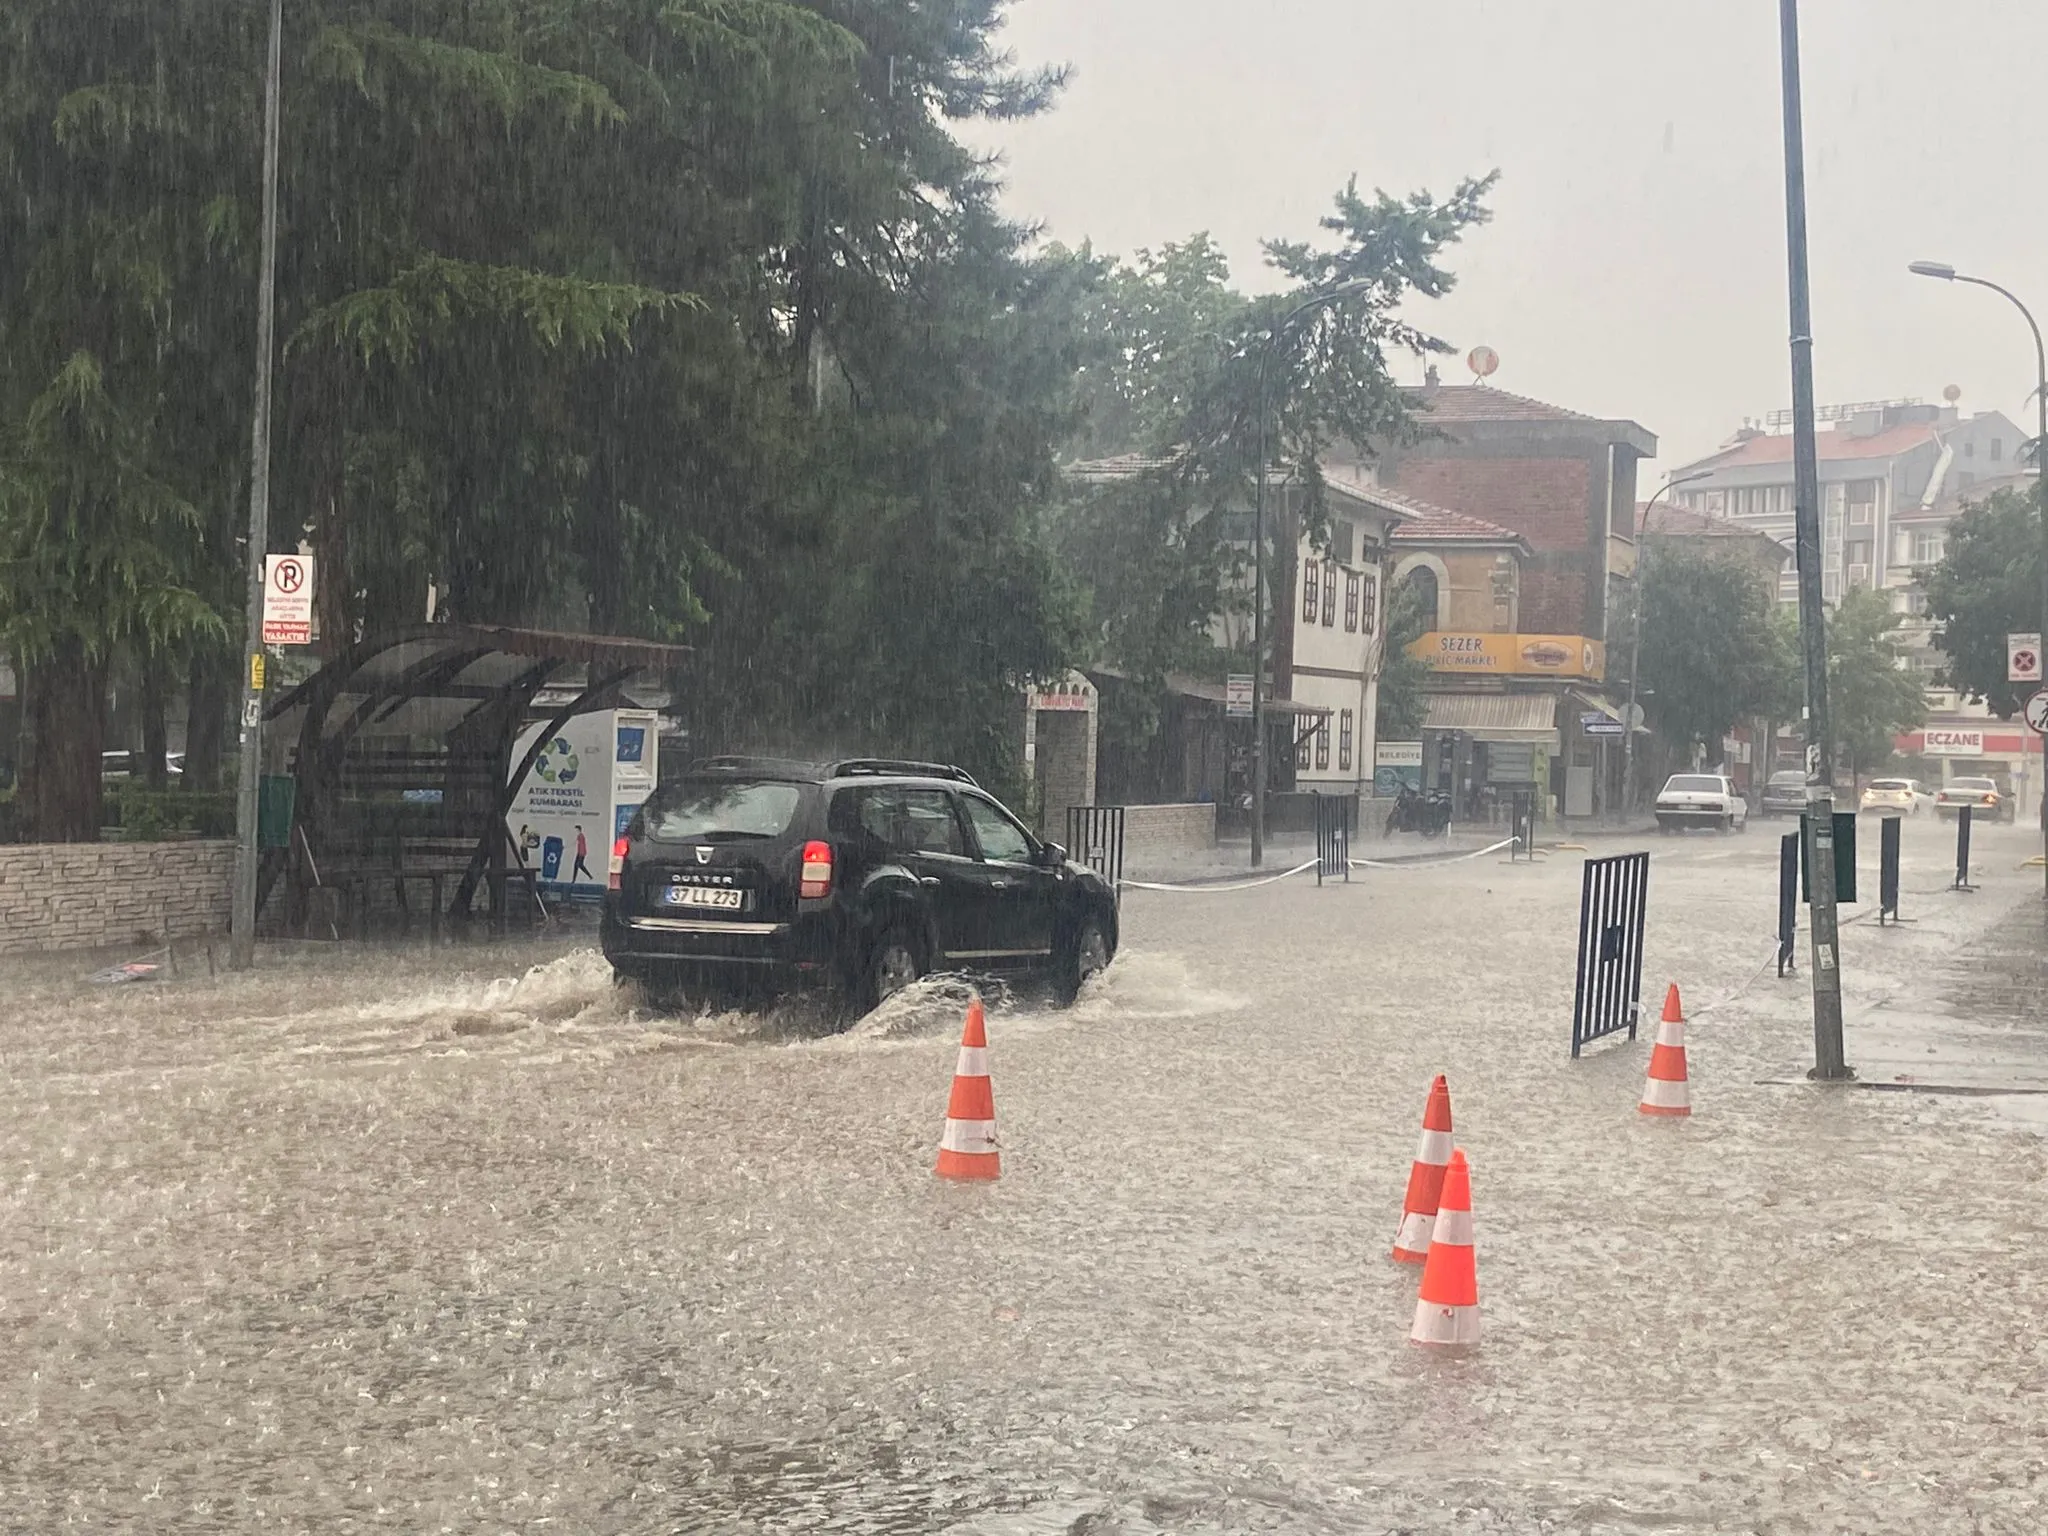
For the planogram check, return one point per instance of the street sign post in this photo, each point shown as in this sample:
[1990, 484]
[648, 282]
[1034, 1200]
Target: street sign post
[288, 600]
[1237, 696]
[2023, 658]
[1594, 723]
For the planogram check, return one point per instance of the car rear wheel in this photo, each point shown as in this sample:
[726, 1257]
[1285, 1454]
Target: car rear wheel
[896, 961]
[1086, 955]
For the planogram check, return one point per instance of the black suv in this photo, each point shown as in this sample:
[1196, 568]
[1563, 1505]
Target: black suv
[760, 875]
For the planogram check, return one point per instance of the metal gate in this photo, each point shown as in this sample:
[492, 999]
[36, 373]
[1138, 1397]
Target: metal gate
[1333, 836]
[1095, 837]
[1613, 904]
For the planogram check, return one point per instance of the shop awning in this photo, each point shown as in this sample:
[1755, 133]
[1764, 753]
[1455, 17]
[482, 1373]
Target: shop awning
[1530, 717]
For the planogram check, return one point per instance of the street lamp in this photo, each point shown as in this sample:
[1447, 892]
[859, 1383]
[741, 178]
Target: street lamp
[1635, 639]
[1271, 339]
[1949, 274]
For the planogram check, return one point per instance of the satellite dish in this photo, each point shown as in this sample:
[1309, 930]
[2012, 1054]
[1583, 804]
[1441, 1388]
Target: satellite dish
[1482, 361]
[1953, 393]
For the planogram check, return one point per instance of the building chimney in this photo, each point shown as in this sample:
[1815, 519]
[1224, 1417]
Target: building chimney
[1429, 379]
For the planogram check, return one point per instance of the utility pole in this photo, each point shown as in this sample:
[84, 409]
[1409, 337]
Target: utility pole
[1829, 1063]
[242, 916]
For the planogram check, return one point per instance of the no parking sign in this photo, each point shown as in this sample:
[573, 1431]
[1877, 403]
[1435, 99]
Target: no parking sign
[288, 600]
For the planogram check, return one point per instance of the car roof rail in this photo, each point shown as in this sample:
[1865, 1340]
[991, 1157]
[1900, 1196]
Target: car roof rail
[767, 767]
[854, 767]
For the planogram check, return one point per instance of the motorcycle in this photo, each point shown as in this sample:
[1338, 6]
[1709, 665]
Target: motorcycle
[1414, 811]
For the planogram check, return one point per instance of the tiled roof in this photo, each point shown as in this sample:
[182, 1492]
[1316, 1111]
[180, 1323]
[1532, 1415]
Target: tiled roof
[1683, 522]
[1482, 402]
[1440, 525]
[1122, 466]
[1776, 448]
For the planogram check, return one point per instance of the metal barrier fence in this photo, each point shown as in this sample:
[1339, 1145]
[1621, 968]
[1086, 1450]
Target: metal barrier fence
[1788, 899]
[1334, 816]
[1963, 851]
[1095, 837]
[1613, 905]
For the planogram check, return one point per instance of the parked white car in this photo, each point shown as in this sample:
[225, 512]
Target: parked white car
[1701, 800]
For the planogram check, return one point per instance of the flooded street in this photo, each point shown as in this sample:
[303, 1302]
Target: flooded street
[411, 1241]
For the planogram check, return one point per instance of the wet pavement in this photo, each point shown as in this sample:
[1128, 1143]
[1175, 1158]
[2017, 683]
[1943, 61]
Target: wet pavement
[419, 1240]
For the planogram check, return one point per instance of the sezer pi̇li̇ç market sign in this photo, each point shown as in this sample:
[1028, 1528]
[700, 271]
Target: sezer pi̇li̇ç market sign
[1503, 655]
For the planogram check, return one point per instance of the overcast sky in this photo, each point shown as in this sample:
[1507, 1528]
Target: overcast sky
[1635, 266]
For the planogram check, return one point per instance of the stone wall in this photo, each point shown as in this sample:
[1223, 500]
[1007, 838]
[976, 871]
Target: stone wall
[93, 895]
[1150, 830]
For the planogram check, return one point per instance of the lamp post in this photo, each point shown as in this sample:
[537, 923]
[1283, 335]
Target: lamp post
[1635, 639]
[1267, 343]
[242, 914]
[1949, 274]
[1829, 1062]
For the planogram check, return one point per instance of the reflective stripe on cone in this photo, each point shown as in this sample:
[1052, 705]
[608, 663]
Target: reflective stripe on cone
[1425, 1176]
[967, 1149]
[1447, 1309]
[1666, 1091]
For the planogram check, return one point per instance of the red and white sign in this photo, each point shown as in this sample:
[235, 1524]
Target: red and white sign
[288, 600]
[1941, 743]
[2023, 658]
[2037, 712]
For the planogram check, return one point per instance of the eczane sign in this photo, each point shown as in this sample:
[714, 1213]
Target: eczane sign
[1941, 743]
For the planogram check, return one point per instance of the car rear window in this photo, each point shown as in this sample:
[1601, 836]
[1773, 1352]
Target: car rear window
[1890, 784]
[1791, 778]
[708, 810]
[1977, 784]
[1695, 783]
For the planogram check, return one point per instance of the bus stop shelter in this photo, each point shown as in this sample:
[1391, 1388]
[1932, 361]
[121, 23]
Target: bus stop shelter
[399, 758]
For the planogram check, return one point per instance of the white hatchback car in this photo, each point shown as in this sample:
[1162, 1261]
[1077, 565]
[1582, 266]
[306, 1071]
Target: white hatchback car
[1701, 800]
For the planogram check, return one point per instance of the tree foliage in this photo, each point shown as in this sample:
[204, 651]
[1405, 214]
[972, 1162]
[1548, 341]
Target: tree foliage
[1403, 706]
[1987, 585]
[678, 318]
[1871, 695]
[1714, 649]
[1174, 360]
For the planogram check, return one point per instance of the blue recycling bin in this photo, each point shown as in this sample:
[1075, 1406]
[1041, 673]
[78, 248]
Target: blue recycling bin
[551, 859]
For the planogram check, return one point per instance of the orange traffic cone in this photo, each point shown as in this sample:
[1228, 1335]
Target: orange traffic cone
[1447, 1310]
[1666, 1091]
[968, 1149]
[1426, 1176]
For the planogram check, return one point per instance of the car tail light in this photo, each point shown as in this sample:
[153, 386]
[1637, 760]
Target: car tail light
[619, 862]
[816, 879]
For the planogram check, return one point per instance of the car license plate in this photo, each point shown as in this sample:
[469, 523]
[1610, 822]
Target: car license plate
[698, 896]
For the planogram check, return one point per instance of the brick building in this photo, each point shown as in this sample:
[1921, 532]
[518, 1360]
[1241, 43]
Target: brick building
[1562, 484]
